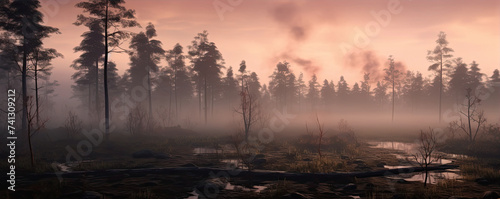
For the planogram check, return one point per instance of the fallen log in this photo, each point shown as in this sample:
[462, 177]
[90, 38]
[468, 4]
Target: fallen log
[256, 175]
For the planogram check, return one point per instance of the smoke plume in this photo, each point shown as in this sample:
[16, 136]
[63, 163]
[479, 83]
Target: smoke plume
[298, 28]
[367, 61]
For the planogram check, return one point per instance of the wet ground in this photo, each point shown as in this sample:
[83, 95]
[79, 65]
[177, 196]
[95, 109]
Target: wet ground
[372, 157]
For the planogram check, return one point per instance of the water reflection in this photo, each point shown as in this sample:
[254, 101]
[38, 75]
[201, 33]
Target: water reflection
[433, 177]
[229, 186]
[411, 148]
[203, 150]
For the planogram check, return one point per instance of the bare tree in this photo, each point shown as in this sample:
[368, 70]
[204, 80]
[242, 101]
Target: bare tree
[136, 120]
[426, 154]
[73, 124]
[474, 118]
[244, 151]
[164, 115]
[248, 110]
[321, 133]
[346, 132]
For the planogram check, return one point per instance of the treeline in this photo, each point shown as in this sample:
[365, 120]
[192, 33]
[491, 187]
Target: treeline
[196, 85]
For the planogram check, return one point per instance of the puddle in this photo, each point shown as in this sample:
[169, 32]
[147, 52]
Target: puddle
[400, 146]
[457, 156]
[66, 167]
[397, 167]
[62, 167]
[229, 186]
[410, 148]
[445, 161]
[203, 150]
[221, 149]
[432, 178]
[234, 163]
[256, 188]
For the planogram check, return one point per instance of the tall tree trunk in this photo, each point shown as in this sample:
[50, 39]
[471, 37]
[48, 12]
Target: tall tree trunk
[32, 156]
[175, 88]
[106, 97]
[36, 90]
[393, 96]
[90, 99]
[97, 90]
[300, 96]
[440, 86]
[469, 117]
[212, 100]
[149, 96]
[199, 98]
[169, 106]
[25, 89]
[205, 101]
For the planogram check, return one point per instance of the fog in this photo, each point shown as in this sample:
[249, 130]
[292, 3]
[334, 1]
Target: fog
[282, 99]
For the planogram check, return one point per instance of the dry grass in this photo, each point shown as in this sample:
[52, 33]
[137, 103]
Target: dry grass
[317, 165]
[472, 171]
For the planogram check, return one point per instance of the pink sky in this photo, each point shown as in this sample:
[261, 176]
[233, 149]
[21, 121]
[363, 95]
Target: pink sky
[309, 34]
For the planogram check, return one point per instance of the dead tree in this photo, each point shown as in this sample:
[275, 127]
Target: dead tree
[346, 132]
[474, 118]
[136, 120]
[321, 132]
[73, 124]
[425, 153]
[248, 110]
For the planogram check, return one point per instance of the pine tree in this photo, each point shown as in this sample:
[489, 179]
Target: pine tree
[301, 88]
[365, 89]
[475, 76]
[254, 86]
[278, 83]
[207, 63]
[392, 76]
[111, 14]
[313, 92]
[41, 68]
[182, 86]
[87, 76]
[24, 21]
[380, 93]
[438, 57]
[459, 80]
[231, 89]
[327, 93]
[145, 58]
[342, 91]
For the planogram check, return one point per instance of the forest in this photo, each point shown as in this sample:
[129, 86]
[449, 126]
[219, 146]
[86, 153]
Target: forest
[179, 122]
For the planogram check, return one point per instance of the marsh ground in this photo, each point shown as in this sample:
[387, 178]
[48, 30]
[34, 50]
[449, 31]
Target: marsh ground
[296, 154]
